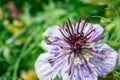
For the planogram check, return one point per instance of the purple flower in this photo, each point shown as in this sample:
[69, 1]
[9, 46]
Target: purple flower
[73, 54]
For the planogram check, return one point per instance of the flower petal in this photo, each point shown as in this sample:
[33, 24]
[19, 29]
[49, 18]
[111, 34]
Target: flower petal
[76, 75]
[107, 63]
[88, 27]
[95, 35]
[55, 47]
[76, 72]
[50, 48]
[46, 71]
[68, 69]
[53, 32]
[85, 74]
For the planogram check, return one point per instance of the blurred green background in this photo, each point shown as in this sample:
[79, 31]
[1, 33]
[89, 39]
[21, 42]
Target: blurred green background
[22, 23]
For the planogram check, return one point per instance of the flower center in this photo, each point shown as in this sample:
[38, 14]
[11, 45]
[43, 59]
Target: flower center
[75, 36]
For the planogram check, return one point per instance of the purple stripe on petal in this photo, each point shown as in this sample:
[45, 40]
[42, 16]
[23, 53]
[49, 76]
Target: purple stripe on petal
[85, 74]
[106, 64]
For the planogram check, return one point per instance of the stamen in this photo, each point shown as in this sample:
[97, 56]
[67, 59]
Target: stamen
[69, 57]
[57, 58]
[83, 25]
[74, 24]
[78, 25]
[63, 34]
[68, 29]
[49, 42]
[76, 38]
[67, 42]
[99, 37]
[87, 65]
[84, 61]
[89, 32]
[70, 25]
[87, 38]
[68, 71]
[94, 53]
[51, 61]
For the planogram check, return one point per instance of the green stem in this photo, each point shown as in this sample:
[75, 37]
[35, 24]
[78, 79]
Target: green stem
[25, 51]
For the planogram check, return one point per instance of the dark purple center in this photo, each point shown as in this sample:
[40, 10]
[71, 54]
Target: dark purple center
[76, 39]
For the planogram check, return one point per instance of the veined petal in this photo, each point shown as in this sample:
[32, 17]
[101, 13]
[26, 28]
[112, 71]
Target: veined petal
[45, 70]
[85, 74]
[76, 75]
[42, 64]
[55, 46]
[107, 63]
[53, 32]
[68, 68]
[50, 48]
[97, 33]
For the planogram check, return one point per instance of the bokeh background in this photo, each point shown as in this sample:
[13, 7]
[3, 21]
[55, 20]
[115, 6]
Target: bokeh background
[22, 23]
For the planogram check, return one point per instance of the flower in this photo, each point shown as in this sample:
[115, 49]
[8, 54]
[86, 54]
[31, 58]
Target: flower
[73, 54]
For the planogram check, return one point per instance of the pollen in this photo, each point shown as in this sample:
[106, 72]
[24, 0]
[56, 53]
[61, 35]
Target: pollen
[77, 61]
